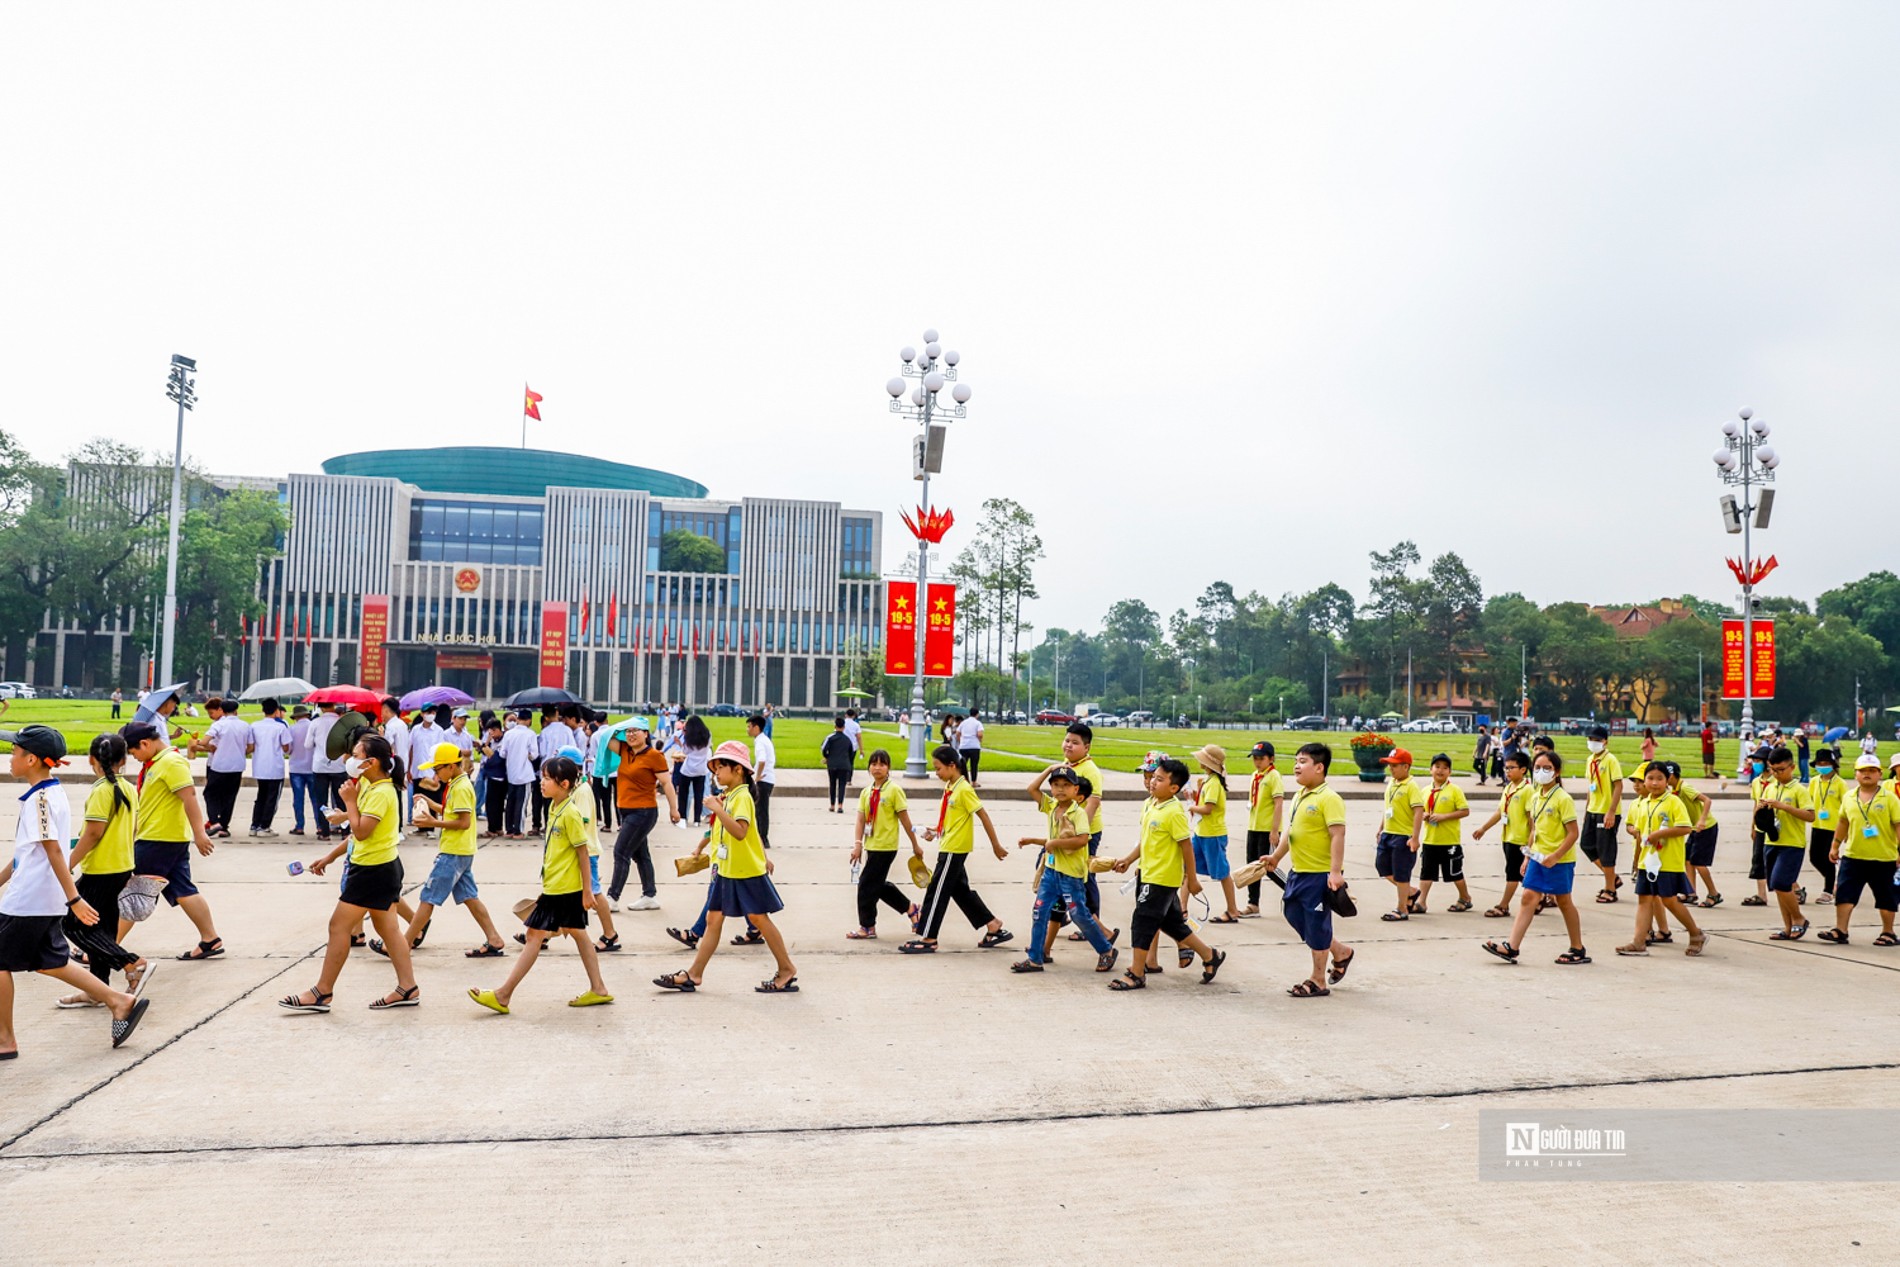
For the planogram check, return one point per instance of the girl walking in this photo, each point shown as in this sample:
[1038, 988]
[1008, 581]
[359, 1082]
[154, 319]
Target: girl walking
[372, 878]
[882, 809]
[691, 750]
[565, 893]
[101, 864]
[955, 831]
[742, 885]
[1550, 864]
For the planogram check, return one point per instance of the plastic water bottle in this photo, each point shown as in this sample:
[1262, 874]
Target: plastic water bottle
[295, 868]
[857, 869]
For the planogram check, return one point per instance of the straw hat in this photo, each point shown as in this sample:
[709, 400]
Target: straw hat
[1214, 757]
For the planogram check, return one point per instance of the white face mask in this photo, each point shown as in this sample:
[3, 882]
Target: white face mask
[1595, 745]
[354, 767]
[1543, 774]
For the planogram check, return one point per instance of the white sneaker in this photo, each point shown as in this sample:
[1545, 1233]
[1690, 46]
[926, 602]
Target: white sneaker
[613, 905]
[265, 831]
[644, 904]
[681, 824]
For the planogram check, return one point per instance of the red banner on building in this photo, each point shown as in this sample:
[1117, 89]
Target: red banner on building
[375, 665]
[554, 644]
[940, 635]
[1737, 659]
[463, 660]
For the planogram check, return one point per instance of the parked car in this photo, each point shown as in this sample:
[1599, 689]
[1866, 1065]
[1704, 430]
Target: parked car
[1099, 720]
[1053, 717]
[1311, 721]
[1140, 717]
[17, 690]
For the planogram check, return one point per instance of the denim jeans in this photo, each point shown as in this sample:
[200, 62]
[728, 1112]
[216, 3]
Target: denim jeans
[301, 785]
[1072, 893]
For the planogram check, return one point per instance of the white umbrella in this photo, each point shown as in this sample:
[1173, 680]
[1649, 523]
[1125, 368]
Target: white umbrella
[290, 688]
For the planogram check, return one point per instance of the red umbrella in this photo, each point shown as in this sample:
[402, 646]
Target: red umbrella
[354, 696]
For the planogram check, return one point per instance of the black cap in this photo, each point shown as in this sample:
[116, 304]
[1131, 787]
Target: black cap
[1599, 732]
[42, 741]
[1263, 749]
[1065, 773]
[138, 732]
[1670, 768]
[1446, 758]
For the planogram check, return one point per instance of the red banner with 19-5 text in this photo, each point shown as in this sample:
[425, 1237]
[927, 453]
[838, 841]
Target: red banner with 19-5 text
[1738, 658]
[900, 630]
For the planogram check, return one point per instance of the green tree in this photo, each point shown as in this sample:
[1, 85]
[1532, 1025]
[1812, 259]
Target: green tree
[1873, 604]
[1817, 662]
[1453, 606]
[223, 543]
[683, 550]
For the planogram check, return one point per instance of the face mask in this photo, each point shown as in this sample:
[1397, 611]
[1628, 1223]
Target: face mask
[354, 767]
[1595, 745]
[1759, 767]
[1824, 771]
[1542, 775]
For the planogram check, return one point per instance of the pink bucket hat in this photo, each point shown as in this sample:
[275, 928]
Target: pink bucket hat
[734, 751]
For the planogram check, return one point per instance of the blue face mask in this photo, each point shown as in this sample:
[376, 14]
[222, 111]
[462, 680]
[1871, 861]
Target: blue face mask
[1759, 767]
[1824, 770]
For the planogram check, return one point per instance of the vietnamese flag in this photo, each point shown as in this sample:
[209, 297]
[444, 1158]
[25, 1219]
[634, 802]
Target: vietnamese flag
[585, 627]
[306, 629]
[531, 405]
[613, 601]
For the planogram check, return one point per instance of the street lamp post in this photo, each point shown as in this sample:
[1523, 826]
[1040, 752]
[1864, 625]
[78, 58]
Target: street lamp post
[933, 368]
[1744, 448]
[181, 388]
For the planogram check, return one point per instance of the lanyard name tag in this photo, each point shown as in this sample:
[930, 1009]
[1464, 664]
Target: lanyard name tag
[1822, 814]
[1389, 812]
[724, 853]
[1869, 832]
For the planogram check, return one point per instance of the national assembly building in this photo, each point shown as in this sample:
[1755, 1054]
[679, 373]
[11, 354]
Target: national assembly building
[492, 570]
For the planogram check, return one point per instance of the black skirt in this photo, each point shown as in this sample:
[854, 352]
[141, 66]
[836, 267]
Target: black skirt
[32, 943]
[556, 912]
[374, 888]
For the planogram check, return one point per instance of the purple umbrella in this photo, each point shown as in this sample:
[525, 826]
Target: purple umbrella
[430, 696]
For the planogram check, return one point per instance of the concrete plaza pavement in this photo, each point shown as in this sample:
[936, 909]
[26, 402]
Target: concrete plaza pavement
[932, 1109]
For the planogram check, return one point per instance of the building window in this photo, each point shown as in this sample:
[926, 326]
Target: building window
[854, 559]
[458, 532]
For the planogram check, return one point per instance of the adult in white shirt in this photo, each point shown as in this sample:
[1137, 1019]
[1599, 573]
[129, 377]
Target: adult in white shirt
[303, 780]
[517, 750]
[228, 741]
[270, 762]
[970, 745]
[326, 774]
[556, 733]
[396, 730]
[764, 774]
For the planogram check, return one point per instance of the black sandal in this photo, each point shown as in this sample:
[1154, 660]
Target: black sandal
[1307, 990]
[992, 940]
[485, 951]
[1573, 955]
[122, 1030]
[1128, 981]
[685, 937]
[1503, 950]
[411, 997]
[1887, 939]
[918, 947]
[751, 937]
[1105, 962]
[677, 981]
[1212, 968]
[1834, 935]
[356, 941]
[607, 945]
[771, 986]
[1025, 965]
[206, 950]
[1337, 972]
[295, 1003]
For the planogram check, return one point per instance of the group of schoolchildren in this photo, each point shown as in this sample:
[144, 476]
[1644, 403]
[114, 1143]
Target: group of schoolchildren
[136, 844]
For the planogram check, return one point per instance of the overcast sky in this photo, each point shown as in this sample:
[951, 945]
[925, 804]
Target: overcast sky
[1243, 291]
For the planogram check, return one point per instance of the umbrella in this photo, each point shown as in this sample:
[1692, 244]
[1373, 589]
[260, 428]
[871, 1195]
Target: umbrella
[279, 688]
[855, 693]
[1836, 734]
[430, 696]
[343, 736]
[345, 693]
[149, 702]
[536, 696]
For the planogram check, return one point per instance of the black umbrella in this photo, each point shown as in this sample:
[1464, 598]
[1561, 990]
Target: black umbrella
[349, 728]
[537, 696]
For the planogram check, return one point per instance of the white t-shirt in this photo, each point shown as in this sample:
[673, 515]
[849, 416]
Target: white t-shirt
[764, 759]
[230, 736]
[517, 749]
[44, 815]
[970, 733]
[269, 738]
[422, 742]
[555, 736]
[396, 730]
[851, 731]
[317, 739]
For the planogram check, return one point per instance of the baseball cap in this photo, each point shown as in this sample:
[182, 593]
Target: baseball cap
[1598, 732]
[1066, 773]
[1398, 756]
[1867, 761]
[42, 741]
[444, 754]
[1443, 756]
[1262, 749]
[460, 712]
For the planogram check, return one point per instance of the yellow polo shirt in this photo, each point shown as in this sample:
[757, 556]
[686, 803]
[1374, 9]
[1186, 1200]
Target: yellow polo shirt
[1263, 796]
[1881, 816]
[459, 799]
[1310, 818]
[1659, 813]
[1444, 800]
[957, 817]
[1214, 822]
[1550, 812]
[113, 854]
[738, 859]
[1514, 807]
[1794, 832]
[1067, 820]
[1164, 825]
[1087, 768]
[1825, 796]
[161, 813]
[880, 829]
[1403, 798]
[377, 799]
[568, 830]
[1606, 784]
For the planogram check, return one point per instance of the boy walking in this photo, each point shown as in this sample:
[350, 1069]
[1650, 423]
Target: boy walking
[1442, 840]
[171, 824]
[1166, 855]
[1602, 809]
[1263, 817]
[1397, 848]
[1315, 840]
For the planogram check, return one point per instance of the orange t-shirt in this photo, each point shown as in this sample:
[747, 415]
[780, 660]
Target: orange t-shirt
[638, 779]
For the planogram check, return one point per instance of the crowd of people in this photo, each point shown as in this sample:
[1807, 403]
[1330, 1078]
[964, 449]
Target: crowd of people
[69, 905]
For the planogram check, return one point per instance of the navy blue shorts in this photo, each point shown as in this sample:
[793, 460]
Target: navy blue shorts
[170, 859]
[1394, 857]
[1784, 867]
[1307, 910]
[1701, 848]
[32, 943]
[1666, 884]
[754, 895]
[1855, 874]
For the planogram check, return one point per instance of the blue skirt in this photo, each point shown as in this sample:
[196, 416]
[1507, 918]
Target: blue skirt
[1539, 878]
[754, 895]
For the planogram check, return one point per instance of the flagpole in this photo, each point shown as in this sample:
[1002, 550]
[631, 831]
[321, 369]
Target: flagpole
[524, 413]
